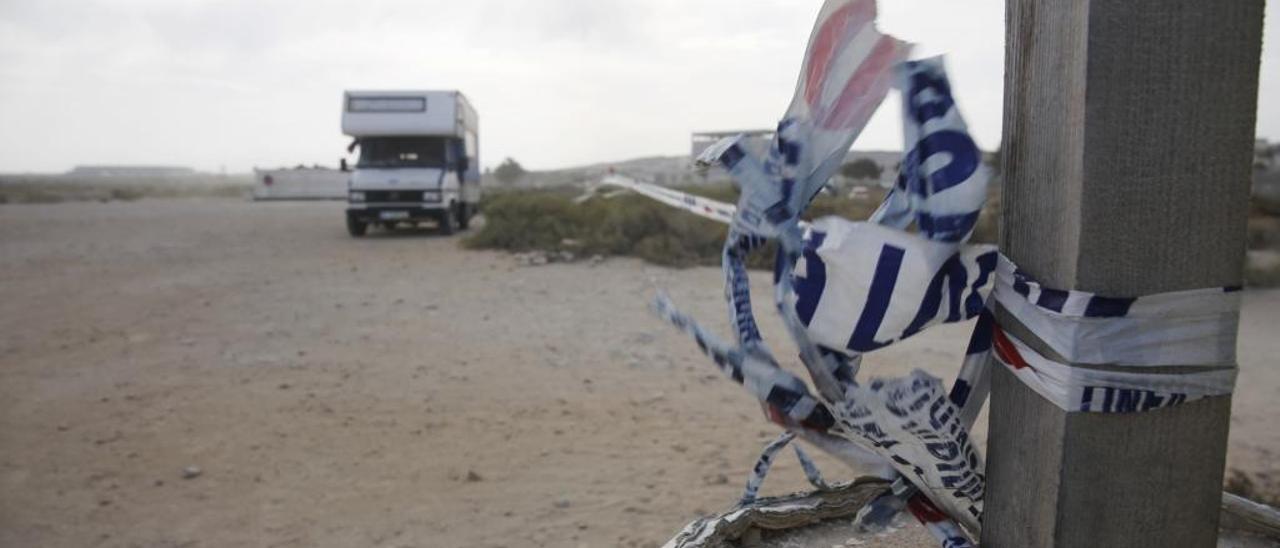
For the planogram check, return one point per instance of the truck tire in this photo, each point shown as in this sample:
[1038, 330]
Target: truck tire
[356, 227]
[448, 221]
[464, 215]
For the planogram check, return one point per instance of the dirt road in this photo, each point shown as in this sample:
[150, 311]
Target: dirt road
[390, 391]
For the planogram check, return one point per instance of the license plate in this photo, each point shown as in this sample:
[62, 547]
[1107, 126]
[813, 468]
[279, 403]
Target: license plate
[393, 215]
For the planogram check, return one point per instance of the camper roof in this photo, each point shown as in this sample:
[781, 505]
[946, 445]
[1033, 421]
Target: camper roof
[392, 113]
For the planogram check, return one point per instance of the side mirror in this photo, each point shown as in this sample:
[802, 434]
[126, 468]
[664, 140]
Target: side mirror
[342, 164]
[464, 164]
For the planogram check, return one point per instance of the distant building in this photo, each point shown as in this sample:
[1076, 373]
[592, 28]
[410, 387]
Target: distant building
[131, 171]
[756, 138]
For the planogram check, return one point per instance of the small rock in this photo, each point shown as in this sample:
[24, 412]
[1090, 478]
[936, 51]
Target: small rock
[191, 472]
[596, 259]
[473, 477]
[562, 503]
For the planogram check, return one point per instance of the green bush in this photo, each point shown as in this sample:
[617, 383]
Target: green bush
[633, 225]
[548, 220]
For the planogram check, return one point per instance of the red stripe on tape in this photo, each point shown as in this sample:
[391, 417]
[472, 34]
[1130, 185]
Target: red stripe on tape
[924, 510]
[1006, 351]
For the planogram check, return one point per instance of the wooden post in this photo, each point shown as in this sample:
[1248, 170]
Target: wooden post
[1128, 137]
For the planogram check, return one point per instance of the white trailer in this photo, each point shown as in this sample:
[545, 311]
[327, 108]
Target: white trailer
[302, 183]
[419, 159]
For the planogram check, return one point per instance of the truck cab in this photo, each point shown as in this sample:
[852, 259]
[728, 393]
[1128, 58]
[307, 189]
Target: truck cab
[418, 159]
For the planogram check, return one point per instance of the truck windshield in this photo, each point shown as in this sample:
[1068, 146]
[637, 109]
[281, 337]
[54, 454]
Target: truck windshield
[402, 152]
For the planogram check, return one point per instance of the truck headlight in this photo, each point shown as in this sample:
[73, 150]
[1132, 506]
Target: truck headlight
[431, 195]
[357, 196]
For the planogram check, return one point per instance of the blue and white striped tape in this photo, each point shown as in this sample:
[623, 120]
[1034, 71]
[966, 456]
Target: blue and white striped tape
[1106, 346]
[845, 288]
[1193, 328]
[835, 306]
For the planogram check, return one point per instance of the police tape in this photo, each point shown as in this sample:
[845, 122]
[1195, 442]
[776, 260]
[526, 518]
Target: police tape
[844, 288]
[1076, 388]
[705, 207]
[765, 461]
[882, 285]
[1190, 328]
[1110, 344]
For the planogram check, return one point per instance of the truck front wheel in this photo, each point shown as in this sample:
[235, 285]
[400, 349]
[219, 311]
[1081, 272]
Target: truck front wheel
[464, 215]
[356, 227]
[448, 222]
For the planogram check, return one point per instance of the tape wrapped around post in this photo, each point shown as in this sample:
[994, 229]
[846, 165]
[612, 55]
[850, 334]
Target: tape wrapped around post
[1112, 343]
[1193, 328]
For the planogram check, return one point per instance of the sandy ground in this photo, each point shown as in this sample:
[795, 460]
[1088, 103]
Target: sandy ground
[391, 391]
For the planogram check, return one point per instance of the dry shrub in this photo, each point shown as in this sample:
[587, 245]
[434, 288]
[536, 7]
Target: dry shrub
[633, 225]
[1264, 232]
[1260, 490]
[548, 220]
[1262, 268]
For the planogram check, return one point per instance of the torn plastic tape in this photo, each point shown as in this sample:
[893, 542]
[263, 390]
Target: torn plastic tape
[1074, 388]
[913, 422]
[703, 207]
[1195, 327]
[863, 286]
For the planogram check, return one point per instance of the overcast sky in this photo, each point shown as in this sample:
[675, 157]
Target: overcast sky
[243, 83]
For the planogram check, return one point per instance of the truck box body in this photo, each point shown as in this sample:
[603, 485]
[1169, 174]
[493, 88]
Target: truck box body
[406, 113]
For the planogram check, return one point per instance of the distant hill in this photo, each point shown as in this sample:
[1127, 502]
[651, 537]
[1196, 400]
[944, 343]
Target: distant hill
[669, 170]
[132, 171]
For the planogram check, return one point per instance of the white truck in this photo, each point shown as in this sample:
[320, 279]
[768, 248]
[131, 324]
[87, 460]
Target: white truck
[419, 159]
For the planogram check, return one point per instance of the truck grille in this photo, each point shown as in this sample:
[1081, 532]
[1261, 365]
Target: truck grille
[392, 196]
